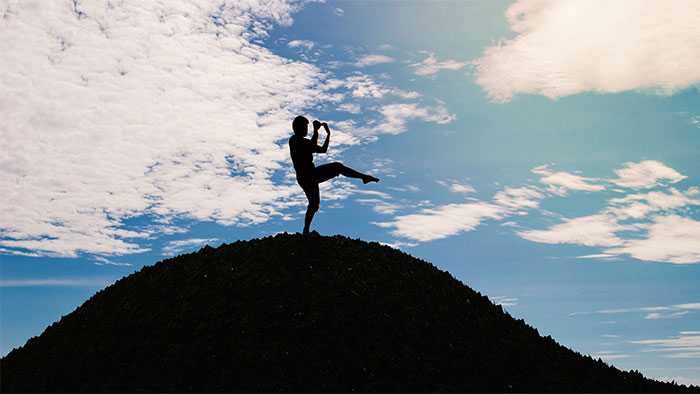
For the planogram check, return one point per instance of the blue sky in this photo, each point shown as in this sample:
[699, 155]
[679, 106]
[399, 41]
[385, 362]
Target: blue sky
[545, 153]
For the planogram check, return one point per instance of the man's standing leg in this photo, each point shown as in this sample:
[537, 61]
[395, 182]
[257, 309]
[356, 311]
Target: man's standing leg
[313, 195]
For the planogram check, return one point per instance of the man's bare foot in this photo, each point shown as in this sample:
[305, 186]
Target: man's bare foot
[369, 178]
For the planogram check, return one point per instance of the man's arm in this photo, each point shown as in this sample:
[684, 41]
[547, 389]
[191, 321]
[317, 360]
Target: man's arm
[314, 137]
[324, 148]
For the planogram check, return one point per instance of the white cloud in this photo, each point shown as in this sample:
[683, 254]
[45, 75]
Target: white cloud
[178, 246]
[164, 109]
[431, 66]
[352, 108]
[565, 47]
[593, 230]
[659, 315]
[646, 174]
[461, 188]
[609, 355]
[440, 222]
[365, 87]
[671, 239]
[685, 345]
[374, 59]
[396, 116]
[380, 206]
[598, 256]
[339, 11]
[676, 310]
[456, 187]
[305, 44]
[63, 282]
[638, 206]
[518, 197]
[436, 223]
[561, 182]
[103, 261]
[505, 301]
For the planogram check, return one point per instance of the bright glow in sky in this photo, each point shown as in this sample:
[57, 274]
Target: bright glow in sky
[544, 152]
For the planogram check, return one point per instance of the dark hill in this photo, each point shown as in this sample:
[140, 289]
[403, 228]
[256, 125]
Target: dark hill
[266, 315]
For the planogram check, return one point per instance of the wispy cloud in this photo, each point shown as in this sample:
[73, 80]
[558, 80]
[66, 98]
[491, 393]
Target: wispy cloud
[104, 261]
[431, 66]
[63, 282]
[436, 223]
[178, 246]
[396, 116]
[657, 311]
[440, 222]
[560, 182]
[565, 47]
[608, 355]
[374, 59]
[505, 301]
[684, 345]
[304, 44]
[647, 226]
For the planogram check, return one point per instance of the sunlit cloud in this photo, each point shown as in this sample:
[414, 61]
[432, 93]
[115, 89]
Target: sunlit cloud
[565, 47]
[684, 345]
[374, 59]
[178, 246]
[646, 174]
[431, 66]
[60, 282]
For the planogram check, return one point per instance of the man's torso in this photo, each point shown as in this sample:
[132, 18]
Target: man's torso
[302, 156]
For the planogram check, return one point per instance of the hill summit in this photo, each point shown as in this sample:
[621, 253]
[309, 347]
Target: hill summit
[294, 313]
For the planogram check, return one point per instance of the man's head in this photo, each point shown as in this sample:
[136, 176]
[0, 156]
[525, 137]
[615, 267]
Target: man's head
[300, 125]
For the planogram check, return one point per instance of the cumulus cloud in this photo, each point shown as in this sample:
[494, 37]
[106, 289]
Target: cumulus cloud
[456, 187]
[374, 59]
[396, 116]
[436, 223]
[516, 198]
[672, 239]
[447, 220]
[646, 174]
[593, 230]
[560, 182]
[168, 110]
[362, 86]
[431, 66]
[647, 226]
[305, 44]
[565, 47]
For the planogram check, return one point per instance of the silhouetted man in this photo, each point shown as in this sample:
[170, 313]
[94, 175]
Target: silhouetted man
[308, 175]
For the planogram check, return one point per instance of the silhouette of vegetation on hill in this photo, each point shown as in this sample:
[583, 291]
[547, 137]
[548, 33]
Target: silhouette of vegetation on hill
[285, 314]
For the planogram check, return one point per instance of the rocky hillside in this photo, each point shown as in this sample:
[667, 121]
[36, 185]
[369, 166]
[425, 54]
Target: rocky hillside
[288, 313]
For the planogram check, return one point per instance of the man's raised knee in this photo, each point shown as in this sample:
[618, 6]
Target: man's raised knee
[338, 167]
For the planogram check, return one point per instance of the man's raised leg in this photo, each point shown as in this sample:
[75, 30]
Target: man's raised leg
[332, 170]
